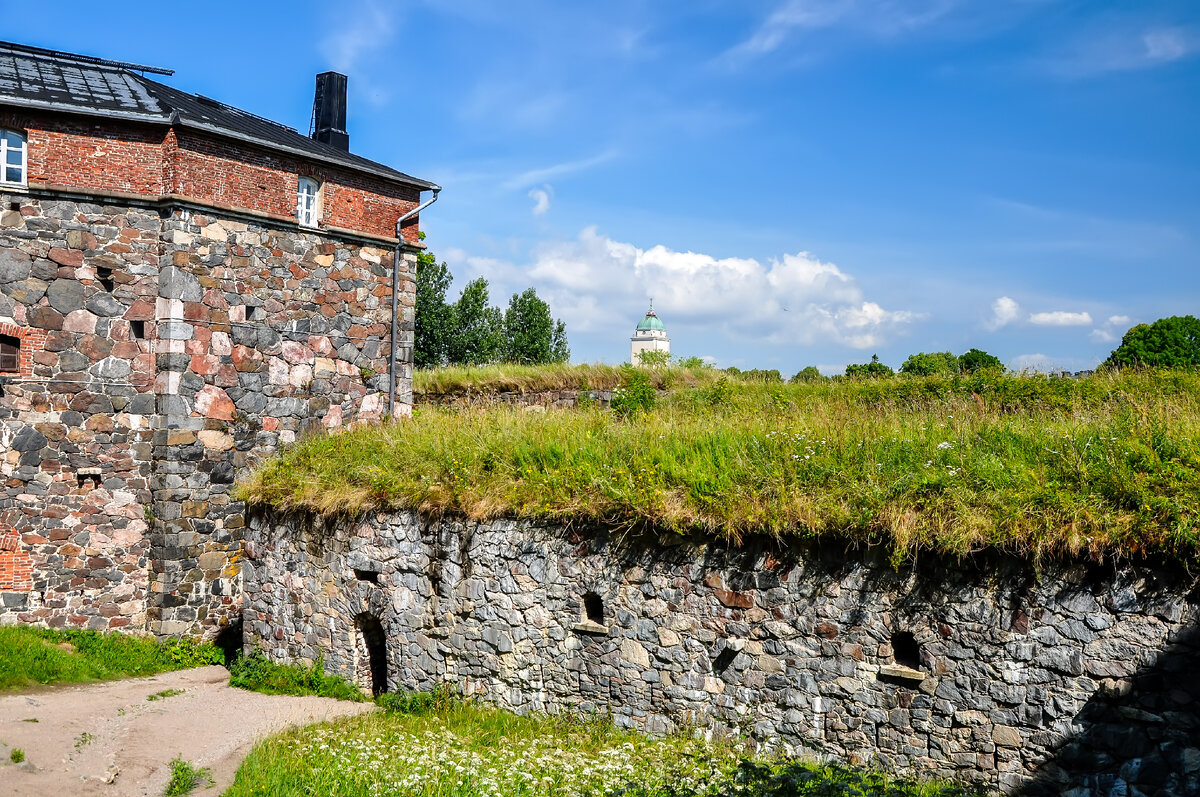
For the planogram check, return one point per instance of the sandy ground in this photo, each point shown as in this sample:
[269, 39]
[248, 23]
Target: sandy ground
[108, 739]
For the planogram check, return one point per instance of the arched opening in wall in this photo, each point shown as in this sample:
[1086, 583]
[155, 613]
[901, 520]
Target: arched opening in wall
[230, 640]
[905, 650]
[370, 665]
[593, 608]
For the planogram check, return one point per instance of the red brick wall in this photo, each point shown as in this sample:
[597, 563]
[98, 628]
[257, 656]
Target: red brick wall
[95, 155]
[141, 159]
[32, 341]
[16, 565]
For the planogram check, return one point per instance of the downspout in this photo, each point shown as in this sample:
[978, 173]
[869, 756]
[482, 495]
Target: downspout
[396, 298]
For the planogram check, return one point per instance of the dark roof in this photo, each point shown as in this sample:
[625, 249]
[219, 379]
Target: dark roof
[35, 78]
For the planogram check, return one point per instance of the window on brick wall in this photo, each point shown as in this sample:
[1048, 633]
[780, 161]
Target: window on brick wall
[13, 152]
[10, 354]
[307, 201]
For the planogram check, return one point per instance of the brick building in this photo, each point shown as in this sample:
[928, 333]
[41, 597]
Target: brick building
[184, 286]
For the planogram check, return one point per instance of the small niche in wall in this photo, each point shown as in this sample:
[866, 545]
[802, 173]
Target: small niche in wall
[591, 620]
[906, 657]
[14, 205]
[138, 329]
[905, 650]
[723, 660]
[104, 276]
[87, 477]
[256, 314]
[369, 576]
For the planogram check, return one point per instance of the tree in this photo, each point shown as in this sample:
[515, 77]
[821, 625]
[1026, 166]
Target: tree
[434, 318]
[930, 364]
[976, 360]
[1167, 343]
[871, 370]
[651, 358]
[476, 329]
[809, 373]
[531, 336]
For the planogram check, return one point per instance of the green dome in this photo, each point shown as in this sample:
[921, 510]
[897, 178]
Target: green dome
[650, 322]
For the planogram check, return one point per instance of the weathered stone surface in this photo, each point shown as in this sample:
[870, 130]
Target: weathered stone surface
[213, 402]
[175, 283]
[65, 295]
[811, 659]
[15, 265]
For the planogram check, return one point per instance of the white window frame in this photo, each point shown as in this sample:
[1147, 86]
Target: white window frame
[6, 148]
[308, 201]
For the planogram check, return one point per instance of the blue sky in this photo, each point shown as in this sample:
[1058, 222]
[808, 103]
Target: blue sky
[794, 182]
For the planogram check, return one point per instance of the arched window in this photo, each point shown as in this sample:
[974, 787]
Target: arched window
[10, 354]
[13, 153]
[306, 202]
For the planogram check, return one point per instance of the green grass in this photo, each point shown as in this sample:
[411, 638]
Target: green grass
[466, 750]
[16, 755]
[256, 673]
[1108, 464]
[31, 656]
[509, 377]
[164, 694]
[185, 776]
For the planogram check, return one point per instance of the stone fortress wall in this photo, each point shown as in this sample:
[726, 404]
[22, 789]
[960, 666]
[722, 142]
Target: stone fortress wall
[1032, 681]
[164, 347]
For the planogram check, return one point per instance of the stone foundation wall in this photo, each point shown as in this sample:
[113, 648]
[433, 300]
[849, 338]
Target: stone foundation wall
[545, 399]
[1075, 679]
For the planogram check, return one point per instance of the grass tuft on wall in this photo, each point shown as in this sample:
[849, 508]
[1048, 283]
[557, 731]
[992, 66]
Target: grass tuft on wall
[1109, 464]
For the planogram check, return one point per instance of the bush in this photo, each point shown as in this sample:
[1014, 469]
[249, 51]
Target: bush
[635, 395]
[807, 374]
[438, 700]
[871, 370]
[258, 674]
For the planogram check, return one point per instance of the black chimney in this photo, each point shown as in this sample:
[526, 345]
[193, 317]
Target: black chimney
[329, 111]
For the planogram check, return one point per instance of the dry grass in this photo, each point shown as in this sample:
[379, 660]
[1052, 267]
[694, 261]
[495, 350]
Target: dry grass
[508, 377]
[1110, 464]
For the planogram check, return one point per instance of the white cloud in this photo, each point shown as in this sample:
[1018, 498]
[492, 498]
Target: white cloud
[597, 284]
[359, 31]
[1061, 318]
[1123, 50]
[1112, 330]
[541, 175]
[1004, 312]
[541, 199]
[882, 18]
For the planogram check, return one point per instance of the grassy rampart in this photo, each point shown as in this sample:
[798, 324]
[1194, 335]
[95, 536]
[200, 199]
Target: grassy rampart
[1108, 464]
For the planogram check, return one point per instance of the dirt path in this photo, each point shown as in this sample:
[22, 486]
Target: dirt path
[108, 739]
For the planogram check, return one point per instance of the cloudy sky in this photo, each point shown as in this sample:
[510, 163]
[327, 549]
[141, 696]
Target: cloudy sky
[793, 182]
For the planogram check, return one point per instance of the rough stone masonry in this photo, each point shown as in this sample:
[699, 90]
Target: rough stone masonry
[1076, 679]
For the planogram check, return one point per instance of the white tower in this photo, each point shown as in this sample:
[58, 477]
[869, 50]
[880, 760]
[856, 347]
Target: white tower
[650, 335]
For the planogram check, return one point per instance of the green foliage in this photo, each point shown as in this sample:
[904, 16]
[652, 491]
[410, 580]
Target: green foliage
[1167, 343]
[635, 395]
[466, 750]
[1106, 464]
[771, 376]
[692, 363]
[257, 673]
[941, 363]
[871, 370]
[477, 335]
[439, 699]
[164, 694]
[31, 656]
[185, 776]
[434, 317]
[718, 392]
[809, 373]
[650, 358]
[16, 755]
[531, 336]
[975, 361]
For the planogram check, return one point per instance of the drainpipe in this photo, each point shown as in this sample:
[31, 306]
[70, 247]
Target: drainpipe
[396, 298]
